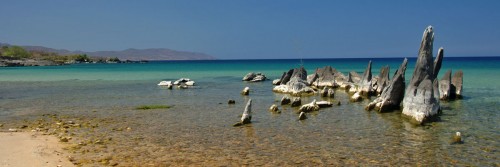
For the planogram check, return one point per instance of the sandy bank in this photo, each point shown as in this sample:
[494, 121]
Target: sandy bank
[26, 149]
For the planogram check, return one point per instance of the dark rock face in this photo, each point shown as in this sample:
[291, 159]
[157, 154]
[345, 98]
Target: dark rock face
[296, 102]
[302, 116]
[249, 76]
[420, 102]
[456, 85]
[286, 77]
[393, 94]
[438, 61]
[383, 80]
[445, 86]
[285, 100]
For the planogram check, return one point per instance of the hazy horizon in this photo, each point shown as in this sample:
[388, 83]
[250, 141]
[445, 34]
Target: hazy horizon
[256, 29]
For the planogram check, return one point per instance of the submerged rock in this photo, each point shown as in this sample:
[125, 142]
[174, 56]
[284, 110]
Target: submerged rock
[249, 76]
[327, 92]
[245, 91]
[324, 104]
[254, 77]
[246, 118]
[274, 108]
[456, 85]
[231, 101]
[181, 80]
[393, 94]
[356, 97]
[457, 138]
[420, 102]
[302, 116]
[296, 102]
[309, 107]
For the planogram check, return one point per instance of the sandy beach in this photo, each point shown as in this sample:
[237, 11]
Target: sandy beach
[29, 149]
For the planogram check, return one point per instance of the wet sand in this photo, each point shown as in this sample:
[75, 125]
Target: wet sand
[25, 149]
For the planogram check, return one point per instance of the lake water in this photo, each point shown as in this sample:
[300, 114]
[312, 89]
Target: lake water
[198, 130]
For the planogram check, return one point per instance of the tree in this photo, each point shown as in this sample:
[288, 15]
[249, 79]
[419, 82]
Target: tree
[15, 52]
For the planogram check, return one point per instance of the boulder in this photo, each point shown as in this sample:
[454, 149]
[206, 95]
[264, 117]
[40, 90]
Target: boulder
[245, 91]
[231, 101]
[324, 104]
[296, 102]
[285, 100]
[249, 76]
[393, 94]
[309, 107]
[259, 78]
[190, 83]
[456, 85]
[181, 80]
[445, 86]
[356, 97]
[325, 77]
[274, 108]
[296, 85]
[165, 83]
[302, 116]
[420, 102]
[327, 92]
[246, 118]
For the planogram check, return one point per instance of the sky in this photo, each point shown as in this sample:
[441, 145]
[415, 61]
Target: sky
[256, 29]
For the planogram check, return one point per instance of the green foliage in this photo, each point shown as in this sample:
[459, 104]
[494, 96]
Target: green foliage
[15, 52]
[82, 58]
[115, 59]
[150, 107]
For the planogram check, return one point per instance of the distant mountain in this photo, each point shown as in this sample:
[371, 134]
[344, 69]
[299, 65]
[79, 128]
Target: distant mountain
[129, 54]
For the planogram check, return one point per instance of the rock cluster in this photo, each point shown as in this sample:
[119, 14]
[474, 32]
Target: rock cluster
[294, 82]
[254, 77]
[393, 94]
[182, 83]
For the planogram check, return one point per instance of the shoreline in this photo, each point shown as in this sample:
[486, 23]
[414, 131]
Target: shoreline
[31, 149]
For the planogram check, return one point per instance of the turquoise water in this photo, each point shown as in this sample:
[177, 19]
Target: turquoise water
[197, 130]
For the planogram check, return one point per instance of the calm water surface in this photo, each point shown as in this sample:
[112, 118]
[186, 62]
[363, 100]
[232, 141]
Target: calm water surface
[198, 128]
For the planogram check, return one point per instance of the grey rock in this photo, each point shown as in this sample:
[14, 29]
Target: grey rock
[324, 104]
[393, 94]
[327, 92]
[296, 102]
[249, 76]
[286, 77]
[297, 85]
[326, 77]
[420, 102]
[311, 79]
[246, 118]
[438, 61]
[309, 107]
[274, 108]
[383, 79]
[456, 85]
[245, 91]
[276, 81]
[445, 86]
[285, 100]
[259, 78]
[353, 77]
[365, 85]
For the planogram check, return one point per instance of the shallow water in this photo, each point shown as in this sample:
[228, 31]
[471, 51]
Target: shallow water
[198, 128]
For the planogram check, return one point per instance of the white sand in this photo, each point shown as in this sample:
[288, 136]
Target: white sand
[30, 149]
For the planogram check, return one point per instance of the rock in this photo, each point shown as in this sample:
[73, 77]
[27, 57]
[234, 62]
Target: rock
[309, 107]
[249, 77]
[420, 101]
[356, 97]
[445, 86]
[245, 91]
[169, 87]
[312, 78]
[338, 103]
[165, 83]
[365, 84]
[190, 83]
[246, 118]
[456, 85]
[259, 78]
[457, 138]
[353, 77]
[296, 102]
[182, 86]
[181, 80]
[324, 104]
[327, 92]
[274, 108]
[276, 81]
[297, 84]
[285, 100]
[231, 101]
[302, 116]
[286, 76]
[438, 61]
[383, 80]
[325, 77]
[12, 130]
[393, 94]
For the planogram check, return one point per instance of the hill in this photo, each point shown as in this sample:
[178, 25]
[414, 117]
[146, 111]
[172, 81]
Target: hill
[128, 54]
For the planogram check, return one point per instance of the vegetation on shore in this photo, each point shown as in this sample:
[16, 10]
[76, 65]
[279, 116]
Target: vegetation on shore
[17, 53]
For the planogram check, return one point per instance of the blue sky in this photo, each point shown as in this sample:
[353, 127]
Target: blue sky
[256, 29]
